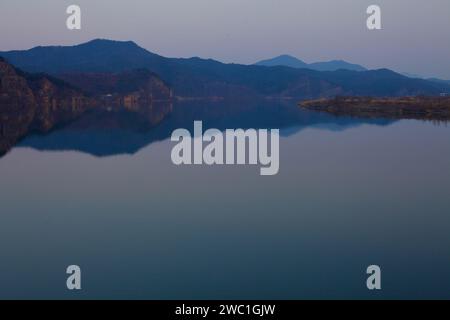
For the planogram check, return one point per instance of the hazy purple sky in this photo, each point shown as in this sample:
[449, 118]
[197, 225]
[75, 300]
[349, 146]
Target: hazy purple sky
[415, 36]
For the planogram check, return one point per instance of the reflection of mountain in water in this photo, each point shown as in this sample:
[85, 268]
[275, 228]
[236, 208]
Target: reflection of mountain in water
[39, 103]
[103, 133]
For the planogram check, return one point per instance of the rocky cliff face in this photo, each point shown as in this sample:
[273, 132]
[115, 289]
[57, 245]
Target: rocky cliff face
[17, 106]
[57, 103]
[139, 91]
[35, 102]
[38, 102]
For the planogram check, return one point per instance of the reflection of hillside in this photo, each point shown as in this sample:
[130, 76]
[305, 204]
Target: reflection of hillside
[34, 103]
[39, 103]
[104, 133]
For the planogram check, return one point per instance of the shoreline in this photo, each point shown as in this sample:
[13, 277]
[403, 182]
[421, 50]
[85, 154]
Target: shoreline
[419, 107]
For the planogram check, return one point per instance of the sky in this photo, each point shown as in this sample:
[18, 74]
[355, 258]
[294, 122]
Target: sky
[415, 35]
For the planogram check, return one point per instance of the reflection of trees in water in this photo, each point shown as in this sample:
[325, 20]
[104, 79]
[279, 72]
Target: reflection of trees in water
[14, 125]
[103, 133]
[439, 123]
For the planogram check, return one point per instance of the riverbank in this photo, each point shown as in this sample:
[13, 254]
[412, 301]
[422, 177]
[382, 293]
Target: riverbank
[422, 107]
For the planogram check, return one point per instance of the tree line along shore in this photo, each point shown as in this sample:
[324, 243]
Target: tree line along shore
[418, 107]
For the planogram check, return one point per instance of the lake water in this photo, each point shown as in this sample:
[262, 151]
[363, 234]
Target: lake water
[349, 193]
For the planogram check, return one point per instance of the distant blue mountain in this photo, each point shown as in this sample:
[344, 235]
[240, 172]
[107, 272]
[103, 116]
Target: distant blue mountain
[285, 61]
[416, 76]
[293, 62]
[439, 80]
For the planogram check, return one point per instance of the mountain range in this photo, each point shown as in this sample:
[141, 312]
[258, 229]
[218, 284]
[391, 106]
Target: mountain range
[45, 87]
[207, 78]
[290, 61]
[439, 80]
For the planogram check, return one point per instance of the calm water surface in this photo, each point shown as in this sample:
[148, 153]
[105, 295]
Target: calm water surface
[350, 193]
